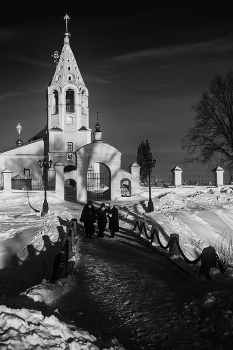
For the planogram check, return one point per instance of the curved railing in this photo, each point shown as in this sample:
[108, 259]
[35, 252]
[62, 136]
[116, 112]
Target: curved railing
[140, 224]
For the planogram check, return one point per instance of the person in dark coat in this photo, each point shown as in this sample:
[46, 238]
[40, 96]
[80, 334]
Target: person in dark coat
[113, 219]
[88, 218]
[102, 219]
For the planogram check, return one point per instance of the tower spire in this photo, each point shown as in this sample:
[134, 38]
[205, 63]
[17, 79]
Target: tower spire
[97, 125]
[67, 18]
[67, 33]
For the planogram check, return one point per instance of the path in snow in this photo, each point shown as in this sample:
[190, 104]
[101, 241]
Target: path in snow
[127, 290]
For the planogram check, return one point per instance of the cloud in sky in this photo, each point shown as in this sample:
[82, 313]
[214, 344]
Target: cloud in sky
[202, 48]
[15, 94]
[96, 79]
[27, 60]
[11, 33]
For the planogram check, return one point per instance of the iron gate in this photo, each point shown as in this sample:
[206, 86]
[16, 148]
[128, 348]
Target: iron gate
[98, 186]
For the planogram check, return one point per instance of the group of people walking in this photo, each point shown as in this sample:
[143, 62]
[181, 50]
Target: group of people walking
[101, 216]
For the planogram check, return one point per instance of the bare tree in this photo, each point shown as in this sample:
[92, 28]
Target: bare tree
[210, 141]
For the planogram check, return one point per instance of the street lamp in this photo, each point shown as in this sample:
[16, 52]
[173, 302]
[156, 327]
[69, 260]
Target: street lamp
[150, 162]
[46, 165]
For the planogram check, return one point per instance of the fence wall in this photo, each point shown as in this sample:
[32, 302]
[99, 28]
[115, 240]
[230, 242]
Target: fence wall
[188, 179]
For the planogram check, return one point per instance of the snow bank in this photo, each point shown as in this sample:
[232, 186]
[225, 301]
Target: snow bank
[49, 292]
[29, 329]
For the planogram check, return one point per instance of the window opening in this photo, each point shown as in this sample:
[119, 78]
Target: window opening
[69, 146]
[55, 102]
[69, 100]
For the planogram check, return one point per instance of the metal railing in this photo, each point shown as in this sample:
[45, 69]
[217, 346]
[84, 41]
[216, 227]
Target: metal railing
[154, 237]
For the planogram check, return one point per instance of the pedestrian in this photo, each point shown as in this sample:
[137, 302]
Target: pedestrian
[88, 218]
[113, 219]
[102, 219]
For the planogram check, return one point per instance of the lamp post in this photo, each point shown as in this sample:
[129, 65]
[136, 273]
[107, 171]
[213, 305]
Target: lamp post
[150, 162]
[46, 165]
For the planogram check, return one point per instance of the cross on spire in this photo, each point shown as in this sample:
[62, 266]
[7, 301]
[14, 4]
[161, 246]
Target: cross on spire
[66, 18]
[97, 111]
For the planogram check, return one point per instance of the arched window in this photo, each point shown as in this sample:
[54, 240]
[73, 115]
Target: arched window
[55, 102]
[70, 100]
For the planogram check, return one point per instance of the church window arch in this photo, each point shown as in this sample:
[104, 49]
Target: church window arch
[69, 77]
[55, 102]
[68, 68]
[70, 100]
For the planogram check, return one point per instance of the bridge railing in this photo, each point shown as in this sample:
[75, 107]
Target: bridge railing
[209, 258]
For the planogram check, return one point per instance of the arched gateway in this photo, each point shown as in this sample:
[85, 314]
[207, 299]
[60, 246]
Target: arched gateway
[92, 180]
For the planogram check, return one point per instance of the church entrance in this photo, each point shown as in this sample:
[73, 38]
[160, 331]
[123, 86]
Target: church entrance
[70, 190]
[98, 182]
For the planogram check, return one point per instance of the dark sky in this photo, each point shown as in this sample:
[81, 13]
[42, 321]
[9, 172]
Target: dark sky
[144, 67]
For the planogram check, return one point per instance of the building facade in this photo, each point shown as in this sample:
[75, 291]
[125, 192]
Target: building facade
[80, 159]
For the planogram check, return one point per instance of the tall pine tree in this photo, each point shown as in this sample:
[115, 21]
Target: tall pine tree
[144, 151]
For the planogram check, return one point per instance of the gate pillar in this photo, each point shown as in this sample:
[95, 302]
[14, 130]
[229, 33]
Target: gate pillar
[176, 176]
[81, 190]
[59, 180]
[218, 176]
[135, 176]
[7, 175]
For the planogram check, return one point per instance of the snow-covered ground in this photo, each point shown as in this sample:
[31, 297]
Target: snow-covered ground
[201, 216]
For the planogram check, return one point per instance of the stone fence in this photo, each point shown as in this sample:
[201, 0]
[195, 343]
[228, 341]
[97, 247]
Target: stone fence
[178, 178]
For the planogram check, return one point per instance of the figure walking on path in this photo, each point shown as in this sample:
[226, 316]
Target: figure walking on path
[102, 219]
[113, 219]
[88, 218]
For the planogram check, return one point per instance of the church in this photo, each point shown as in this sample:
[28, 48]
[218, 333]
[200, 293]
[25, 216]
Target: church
[66, 154]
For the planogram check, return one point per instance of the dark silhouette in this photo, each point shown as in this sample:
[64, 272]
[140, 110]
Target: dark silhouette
[112, 215]
[102, 219]
[210, 140]
[88, 218]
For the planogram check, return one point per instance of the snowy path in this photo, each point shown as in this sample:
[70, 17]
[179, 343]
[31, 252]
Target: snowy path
[125, 289]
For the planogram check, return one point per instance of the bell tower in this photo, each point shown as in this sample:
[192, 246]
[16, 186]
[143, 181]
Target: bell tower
[67, 105]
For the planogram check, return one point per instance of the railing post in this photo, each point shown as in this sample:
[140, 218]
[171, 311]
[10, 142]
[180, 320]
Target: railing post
[154, 228]
[74, 227]
[208, 260]
[70, 243]
[173, 249]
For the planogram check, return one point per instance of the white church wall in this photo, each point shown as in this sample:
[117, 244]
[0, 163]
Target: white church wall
[25, 156]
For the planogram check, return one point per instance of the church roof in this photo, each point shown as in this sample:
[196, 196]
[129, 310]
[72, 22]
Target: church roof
[38, 136]
[66, 69]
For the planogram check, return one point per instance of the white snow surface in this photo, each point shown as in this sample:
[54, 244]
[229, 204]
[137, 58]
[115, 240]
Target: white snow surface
[201, 216]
